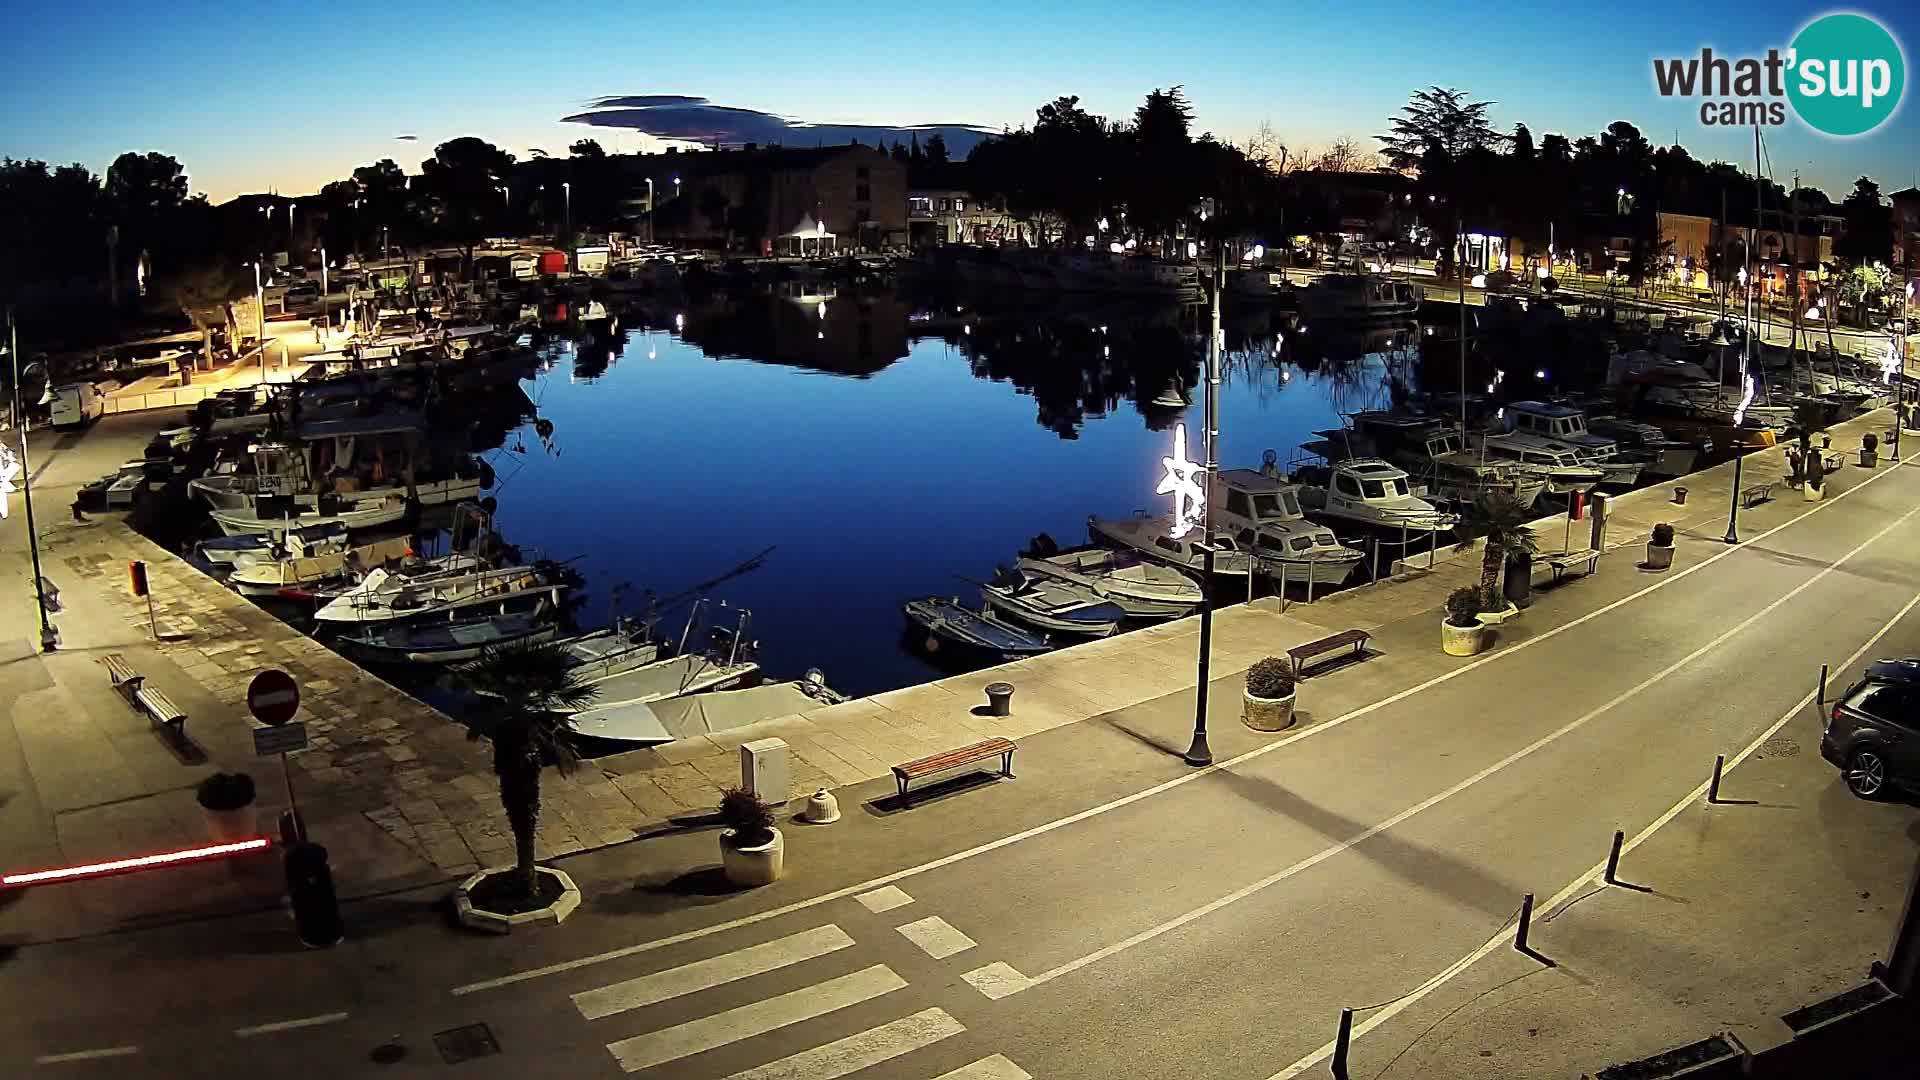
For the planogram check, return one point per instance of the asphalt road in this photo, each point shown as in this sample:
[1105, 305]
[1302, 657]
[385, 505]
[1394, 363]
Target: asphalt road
[1169, 923]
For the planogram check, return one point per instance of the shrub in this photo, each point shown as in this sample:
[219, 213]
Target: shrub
[1463, 604]
[1270, 678]
[226, 791]
[1663, 535]
[1870, 442]
[750, 819]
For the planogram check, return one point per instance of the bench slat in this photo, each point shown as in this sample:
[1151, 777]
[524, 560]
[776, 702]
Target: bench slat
[160, 707]
[1329, 643]
[964, 755]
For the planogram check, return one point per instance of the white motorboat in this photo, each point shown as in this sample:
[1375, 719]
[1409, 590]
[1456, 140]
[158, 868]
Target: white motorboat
[1370, 492]
[315, 540]
[273, 517]
[1559, 465]
[1359, 296]
[618, 648]
[1434, 453]
[454, 641]
[694, 715]
[1144, 590]
[1566, 425]
[237, 491]
[1263, 516]
[506, 589]
[1149, 536]
[401, 572]
[1670, 456]
[1050, 604]
[296, 577]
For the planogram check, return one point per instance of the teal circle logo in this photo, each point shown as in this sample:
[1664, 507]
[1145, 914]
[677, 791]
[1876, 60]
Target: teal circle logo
[1847, 74]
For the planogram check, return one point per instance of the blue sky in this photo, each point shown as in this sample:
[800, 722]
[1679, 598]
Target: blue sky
[252, 97]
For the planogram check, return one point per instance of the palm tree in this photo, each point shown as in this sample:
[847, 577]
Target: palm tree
[1502, 519]
[530, 692]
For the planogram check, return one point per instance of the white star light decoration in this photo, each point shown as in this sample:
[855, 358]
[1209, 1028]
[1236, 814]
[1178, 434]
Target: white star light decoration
[1183, 483]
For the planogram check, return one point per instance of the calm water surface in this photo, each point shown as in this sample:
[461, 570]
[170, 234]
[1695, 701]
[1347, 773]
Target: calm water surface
[883, 451]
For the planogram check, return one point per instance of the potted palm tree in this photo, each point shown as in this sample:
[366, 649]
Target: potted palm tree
[1815, 486]
[752, 851]
[1660, 547]
[1461, 632]
[1502, 520]
[1869, 450]
[527, 695]
[1269, 696]
[227, 801]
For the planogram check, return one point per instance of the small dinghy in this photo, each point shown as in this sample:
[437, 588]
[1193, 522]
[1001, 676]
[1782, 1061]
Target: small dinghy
[313, 540]
[619, 727]
[306, 576]
[1144, 590]
[949, 625]
[1050, 604]
[448, 642]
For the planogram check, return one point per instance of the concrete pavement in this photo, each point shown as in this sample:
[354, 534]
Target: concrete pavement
[1113, 911]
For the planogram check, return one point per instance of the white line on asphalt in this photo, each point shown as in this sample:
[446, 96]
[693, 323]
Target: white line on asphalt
[719, 1029]
[886, 899]
[830, 1061]
[711, 972]
[86, 1055]
[1145, 793]
[997, 980]
[289, 1025]
[1566, 895]
[996, 1067]
[1330, 851]
[936, 936]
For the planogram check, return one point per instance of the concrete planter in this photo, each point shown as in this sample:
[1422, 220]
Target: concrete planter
[1659, 556]
[747, 867]
[1813, 494]
[1265, 713]
[1495, 618]
[495, 922]
[1462, 640]
[1869, 458]
[232, 826]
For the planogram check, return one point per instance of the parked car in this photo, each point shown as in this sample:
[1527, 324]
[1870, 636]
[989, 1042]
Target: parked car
[77, 404]
[1873, 734]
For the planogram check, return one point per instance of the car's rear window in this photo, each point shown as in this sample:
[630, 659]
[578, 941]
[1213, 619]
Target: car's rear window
[1881, 700]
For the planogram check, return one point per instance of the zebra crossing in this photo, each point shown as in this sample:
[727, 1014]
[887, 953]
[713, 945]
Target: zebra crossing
[779, 961]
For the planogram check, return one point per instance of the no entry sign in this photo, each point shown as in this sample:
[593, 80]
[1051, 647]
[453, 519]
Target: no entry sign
[273, 697]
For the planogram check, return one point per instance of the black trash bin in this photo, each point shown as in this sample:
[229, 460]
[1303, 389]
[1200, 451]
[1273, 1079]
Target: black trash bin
[1518, 586]
[316, 910]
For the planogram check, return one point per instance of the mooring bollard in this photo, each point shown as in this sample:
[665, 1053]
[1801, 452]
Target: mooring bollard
[1679, 495]
[1340, 1042]
[1713, 786]
[1526, 920]
[1613, 857]
[1000, 698]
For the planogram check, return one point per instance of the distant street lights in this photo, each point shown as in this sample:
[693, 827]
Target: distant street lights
[566, 190]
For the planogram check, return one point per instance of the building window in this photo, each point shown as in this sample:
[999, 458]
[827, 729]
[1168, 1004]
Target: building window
[960, 205]
[862, 193]
[860, 173]
[946, 204]
[919, 204]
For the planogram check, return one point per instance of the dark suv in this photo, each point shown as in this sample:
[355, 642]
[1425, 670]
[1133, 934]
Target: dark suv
[1874, 732]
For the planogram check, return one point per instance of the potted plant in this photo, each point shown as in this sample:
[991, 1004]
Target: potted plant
[1461, 632]
[752, 850]
[1869, 450]
[227, 800]
[1503, 521]
[1269, 696]
[1814, 489]
[1660, 547]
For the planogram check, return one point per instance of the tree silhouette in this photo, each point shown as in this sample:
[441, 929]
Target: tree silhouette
[462, 181]
[1442, 118]
[937, 148]
[1869, 234]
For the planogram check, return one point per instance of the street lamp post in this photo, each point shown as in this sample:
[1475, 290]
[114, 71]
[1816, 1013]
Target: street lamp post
[566, 191]
[260, 315]
[650, 238]
[1199, 753]
[49, 640]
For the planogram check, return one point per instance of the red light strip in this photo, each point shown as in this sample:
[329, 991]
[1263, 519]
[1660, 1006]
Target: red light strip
[139, 862]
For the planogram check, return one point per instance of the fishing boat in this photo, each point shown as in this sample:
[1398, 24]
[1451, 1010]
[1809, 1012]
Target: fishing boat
[507, 588]
[1667, 455]
[1434, 453]
[273, 516]
[1558, 465]
[300, 577]
[1370, 492]
[449, 642]
[727, 661]
[1050, 604]
[1565, 425]
[1359, 296]
[1262, 514]
[691, 716]
[312, 540]
[1150, 536]
[1143, 589]
[618, 648]
[948, 625]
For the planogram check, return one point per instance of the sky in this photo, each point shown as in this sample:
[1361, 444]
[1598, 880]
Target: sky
[284, 97]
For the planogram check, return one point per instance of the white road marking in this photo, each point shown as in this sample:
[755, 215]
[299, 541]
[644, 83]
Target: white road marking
[711, 972]
[289, 1025]
[830, 1061]
[86, 1055]
[1567, 894]
[936, 936]
[1362, 836]
[1147, 793]
[885, 899]
[996, 1067]
[709, 1032]
[997, 980]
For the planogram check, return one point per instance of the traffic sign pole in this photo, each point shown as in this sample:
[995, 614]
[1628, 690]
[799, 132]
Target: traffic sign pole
[273, 697]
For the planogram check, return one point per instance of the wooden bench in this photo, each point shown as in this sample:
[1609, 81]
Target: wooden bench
[125, 679]
[953, 759]
[1755, 494]
[1300, 654]
[1565, 561]
[160, 709]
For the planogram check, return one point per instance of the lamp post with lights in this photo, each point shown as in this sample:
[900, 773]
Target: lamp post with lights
[49, 638]
[1198, 752]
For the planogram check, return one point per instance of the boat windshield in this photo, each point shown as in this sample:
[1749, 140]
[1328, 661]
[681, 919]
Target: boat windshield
[1380, 489]
[1273, 504]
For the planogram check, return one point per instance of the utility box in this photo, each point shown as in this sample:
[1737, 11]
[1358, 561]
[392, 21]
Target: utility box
[1601, 506]
[766, 771]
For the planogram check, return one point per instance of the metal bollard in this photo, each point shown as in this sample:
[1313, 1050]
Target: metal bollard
[1340, 1043]
[1713, 786]
[1613, 857]
[1823, 688]
[1526, 922]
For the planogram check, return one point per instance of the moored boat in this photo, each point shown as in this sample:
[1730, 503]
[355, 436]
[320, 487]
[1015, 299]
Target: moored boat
[949, 625]
[1052, 605]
